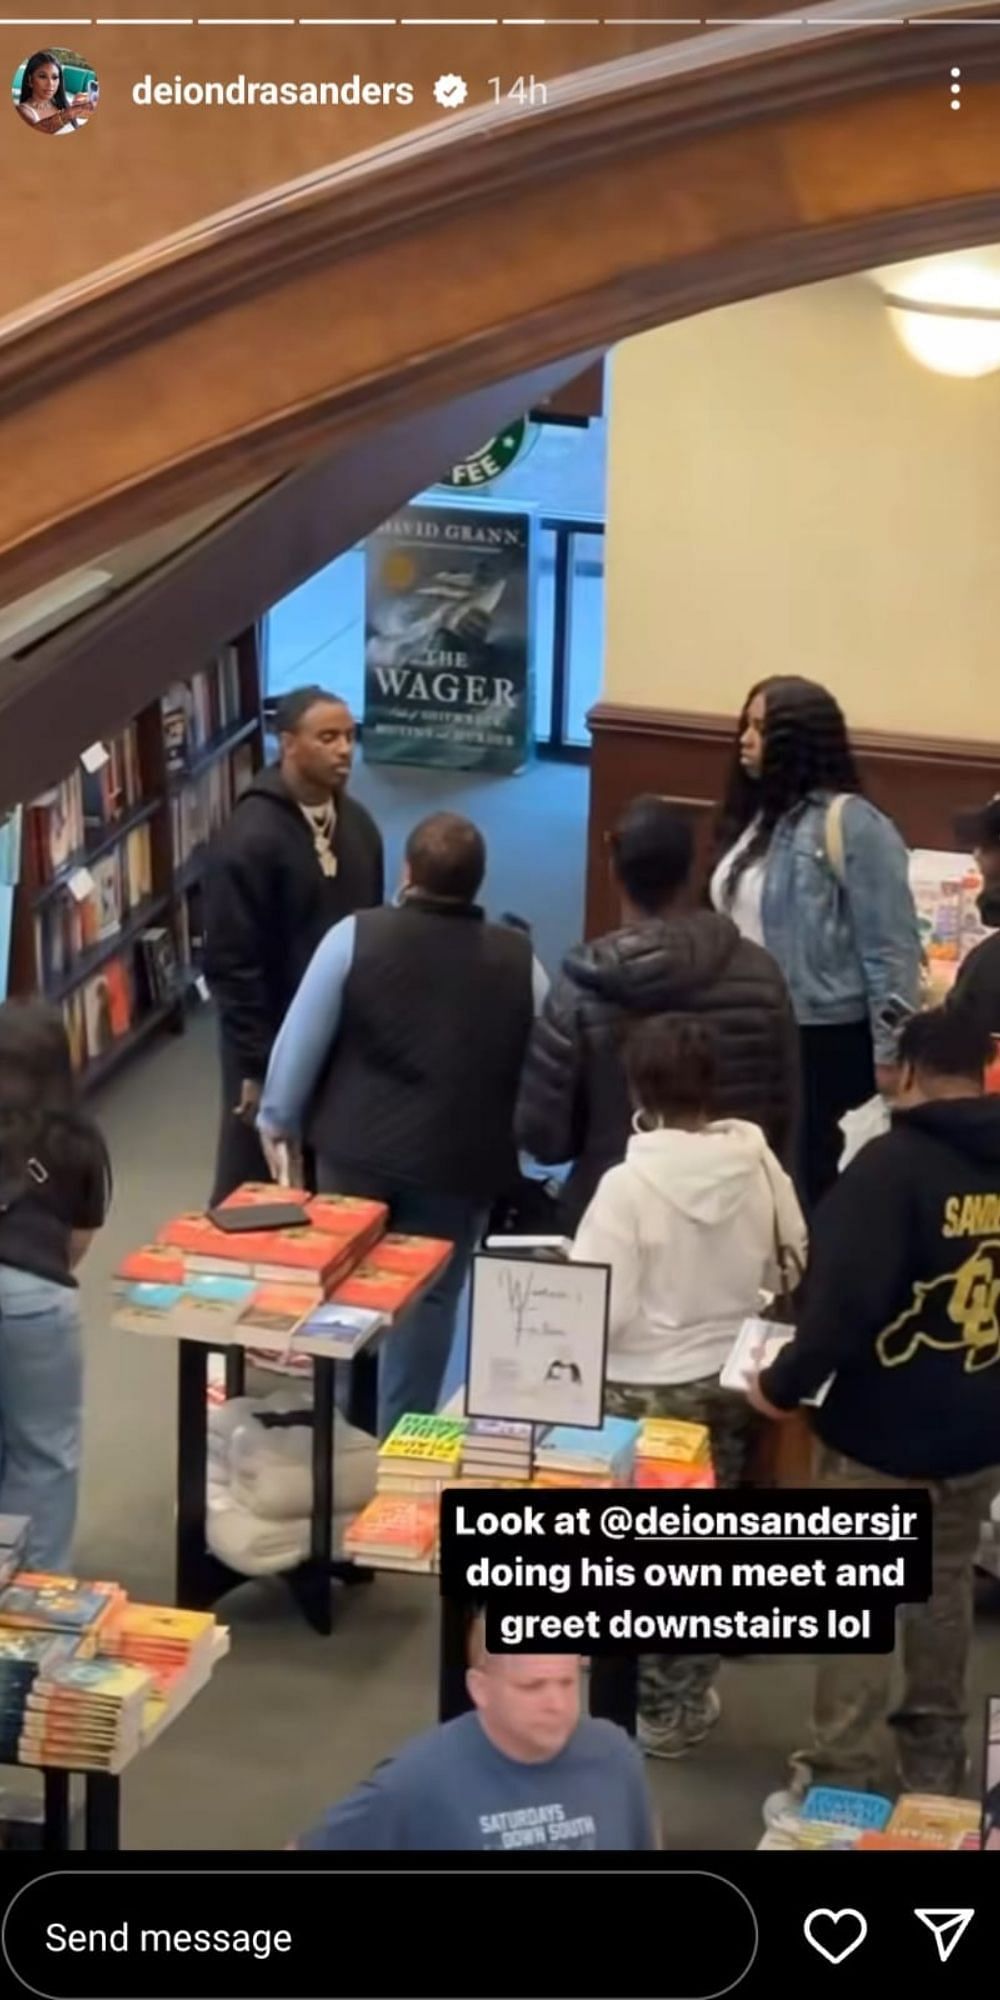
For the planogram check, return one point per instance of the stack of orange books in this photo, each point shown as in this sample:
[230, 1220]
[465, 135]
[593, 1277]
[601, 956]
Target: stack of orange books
[395, 1272]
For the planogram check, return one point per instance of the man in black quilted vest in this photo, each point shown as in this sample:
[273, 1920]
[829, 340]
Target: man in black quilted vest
[398, 1065]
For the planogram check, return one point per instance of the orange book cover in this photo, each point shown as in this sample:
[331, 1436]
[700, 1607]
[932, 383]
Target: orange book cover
[197, 1235]
[153, 1264]
[420, 1255]
[370, 1285]
[656, 1472]
[119, 997]
[400, 1526]
[348, 1215]
[903, 1840]
[313, 1252]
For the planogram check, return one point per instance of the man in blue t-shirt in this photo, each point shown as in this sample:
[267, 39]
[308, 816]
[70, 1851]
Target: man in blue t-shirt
[524, 1770]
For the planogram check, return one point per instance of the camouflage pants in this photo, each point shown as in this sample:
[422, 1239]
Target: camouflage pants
[668, 1683]
[851, 1707]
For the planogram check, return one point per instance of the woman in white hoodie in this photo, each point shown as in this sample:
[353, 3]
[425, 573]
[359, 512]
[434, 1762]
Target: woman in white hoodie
[690, 1224]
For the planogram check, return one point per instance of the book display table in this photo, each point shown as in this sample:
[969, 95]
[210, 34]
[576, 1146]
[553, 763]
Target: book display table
[329, 1285]
[200, 1578]
[101, 1789]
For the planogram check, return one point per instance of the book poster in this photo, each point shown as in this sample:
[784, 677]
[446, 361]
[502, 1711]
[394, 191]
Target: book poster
[447, 640]
[538, 1336]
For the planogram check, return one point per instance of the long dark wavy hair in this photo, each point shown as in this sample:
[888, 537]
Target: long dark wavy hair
[807, 752]
[59, 98]
[40, 1117]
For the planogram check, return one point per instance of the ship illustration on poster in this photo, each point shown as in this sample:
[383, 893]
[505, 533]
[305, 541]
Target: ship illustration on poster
[447, 640]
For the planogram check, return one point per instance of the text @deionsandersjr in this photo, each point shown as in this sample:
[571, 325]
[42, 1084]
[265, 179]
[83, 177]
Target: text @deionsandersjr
[796, 1572]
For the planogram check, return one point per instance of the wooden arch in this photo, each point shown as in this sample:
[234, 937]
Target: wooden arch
[470, 253]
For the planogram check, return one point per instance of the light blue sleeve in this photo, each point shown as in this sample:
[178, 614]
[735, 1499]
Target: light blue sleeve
[307, 1035]
[531, 1168]
[877, 871]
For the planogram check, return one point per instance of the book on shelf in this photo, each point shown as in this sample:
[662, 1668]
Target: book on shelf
[78, 813]
[92, 906]
[197, 710]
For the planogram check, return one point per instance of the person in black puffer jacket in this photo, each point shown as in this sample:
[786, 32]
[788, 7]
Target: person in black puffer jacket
[573, 1104]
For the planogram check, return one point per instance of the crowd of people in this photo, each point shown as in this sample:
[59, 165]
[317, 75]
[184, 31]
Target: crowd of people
[684, 1080]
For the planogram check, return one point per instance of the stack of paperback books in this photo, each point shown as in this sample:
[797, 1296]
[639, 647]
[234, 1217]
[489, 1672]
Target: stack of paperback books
[566, 1456]
[88, 1679]
[85, 1714]
[399, 1528]
[496, 1452]
[323, 1288]
[831, 1818]
[393, 1274]
[421, 1455]
[394, 1532]
[671, 1453]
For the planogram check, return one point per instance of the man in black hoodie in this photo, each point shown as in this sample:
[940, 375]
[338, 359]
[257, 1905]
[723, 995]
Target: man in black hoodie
[295, 856]
[902, 1307]
[692, 964]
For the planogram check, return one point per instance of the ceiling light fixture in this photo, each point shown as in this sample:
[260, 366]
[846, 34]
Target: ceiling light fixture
[946, 311]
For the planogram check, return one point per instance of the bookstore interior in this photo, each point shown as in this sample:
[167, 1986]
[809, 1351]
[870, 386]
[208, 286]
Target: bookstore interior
[264, 1320]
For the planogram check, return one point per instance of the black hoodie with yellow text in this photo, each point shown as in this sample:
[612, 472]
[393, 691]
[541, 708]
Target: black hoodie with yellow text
[902, 1299]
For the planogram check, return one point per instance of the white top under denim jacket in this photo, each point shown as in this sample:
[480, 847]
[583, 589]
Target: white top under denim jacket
[843, 946]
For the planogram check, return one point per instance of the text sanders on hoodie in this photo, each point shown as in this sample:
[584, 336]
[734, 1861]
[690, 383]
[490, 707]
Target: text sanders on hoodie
[902, 1301]
[689, 1224]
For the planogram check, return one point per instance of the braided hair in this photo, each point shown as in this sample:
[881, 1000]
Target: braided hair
[806, 751]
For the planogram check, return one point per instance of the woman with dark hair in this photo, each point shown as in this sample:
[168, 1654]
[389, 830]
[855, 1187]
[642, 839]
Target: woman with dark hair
[43, 101]
[55, 1188]
[808, 867]
[690, 1224]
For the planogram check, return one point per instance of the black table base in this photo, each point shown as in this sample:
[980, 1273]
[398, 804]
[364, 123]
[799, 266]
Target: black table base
[101, 1812]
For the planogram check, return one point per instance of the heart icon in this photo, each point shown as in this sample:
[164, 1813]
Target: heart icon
[833, 1921]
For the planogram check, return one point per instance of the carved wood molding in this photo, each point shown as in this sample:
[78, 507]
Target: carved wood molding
[613, 719]
[85, 681]
[598, 117]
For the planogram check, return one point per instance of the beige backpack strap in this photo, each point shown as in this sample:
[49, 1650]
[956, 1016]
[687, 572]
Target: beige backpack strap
[835, 836]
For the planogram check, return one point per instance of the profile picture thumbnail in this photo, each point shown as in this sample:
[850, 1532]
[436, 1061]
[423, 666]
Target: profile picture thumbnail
[991, 1780]
[55, 92]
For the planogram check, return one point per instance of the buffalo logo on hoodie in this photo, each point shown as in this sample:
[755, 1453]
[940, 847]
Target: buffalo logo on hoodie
[959, 1311]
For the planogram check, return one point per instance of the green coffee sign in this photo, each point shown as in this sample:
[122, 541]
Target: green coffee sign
[491, 459]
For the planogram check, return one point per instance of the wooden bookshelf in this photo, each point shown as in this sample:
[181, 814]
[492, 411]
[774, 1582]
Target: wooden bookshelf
[108, 916]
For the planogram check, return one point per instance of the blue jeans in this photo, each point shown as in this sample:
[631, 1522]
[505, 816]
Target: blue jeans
[41, 1401]
[413, 1357]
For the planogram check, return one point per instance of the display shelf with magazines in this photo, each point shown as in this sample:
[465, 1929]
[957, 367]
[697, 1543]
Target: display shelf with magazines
[107, 917]
[310, 1295]
[88, 1681]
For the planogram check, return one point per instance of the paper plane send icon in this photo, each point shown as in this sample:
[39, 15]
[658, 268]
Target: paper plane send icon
[947, 1928]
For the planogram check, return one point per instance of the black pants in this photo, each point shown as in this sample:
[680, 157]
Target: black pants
[239, 1156]
[838, 1074]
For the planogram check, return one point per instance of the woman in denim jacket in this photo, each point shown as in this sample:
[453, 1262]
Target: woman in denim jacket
[813, 871]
